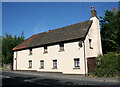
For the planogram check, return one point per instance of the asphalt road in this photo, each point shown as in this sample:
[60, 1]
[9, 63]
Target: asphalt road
[10, 79]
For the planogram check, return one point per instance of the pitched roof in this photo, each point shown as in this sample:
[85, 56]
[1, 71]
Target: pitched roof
[71, 32]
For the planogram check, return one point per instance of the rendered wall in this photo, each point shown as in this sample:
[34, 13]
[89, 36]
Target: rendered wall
[94, 34]
[65, 59]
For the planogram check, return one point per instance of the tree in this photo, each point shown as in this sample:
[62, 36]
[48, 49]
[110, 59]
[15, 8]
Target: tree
[8, 43]
[110, 33]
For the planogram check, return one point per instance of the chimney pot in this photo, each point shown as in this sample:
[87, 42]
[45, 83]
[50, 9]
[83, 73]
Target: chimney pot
[92, 7]
[93, 12]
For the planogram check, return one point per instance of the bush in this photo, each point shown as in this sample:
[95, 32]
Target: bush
[108, 67]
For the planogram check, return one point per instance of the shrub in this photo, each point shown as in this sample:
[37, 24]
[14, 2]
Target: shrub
[108, 66]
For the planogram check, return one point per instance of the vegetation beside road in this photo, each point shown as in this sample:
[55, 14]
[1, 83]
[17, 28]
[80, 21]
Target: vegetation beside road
[8, 43]
[110, 30]
[107, 65]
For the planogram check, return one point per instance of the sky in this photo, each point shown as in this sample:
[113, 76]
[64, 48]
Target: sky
[37, 17]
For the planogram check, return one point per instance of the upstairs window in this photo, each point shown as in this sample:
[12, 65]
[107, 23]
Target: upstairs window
[76, 63]
[61, 46]
[30, 51]
[42, 64]
[90, 41]
[80, 43]
[30, 63]
[45, 49]
[54, 64]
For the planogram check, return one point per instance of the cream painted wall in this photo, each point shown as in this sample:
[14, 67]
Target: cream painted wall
[14, 61]
[65, 59]
[94, 34]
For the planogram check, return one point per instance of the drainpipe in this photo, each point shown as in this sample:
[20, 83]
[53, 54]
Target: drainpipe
[84, 58]
[16, 60]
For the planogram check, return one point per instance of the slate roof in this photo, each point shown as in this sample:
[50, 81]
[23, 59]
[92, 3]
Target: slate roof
[71, 32]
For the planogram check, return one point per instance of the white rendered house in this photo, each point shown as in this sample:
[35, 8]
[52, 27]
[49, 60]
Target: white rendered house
[71, 49]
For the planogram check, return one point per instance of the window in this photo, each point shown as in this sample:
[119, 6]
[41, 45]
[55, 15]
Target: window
[30, 51]
[30, 63]
[61, 46]
[42, 64]
[90, 40]
[76, 63]
[45, 49]
[80, 43]
[54, 64]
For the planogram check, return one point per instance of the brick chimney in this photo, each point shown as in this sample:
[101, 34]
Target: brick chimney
[93, 12]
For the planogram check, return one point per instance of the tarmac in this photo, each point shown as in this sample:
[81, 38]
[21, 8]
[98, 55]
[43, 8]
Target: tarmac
[64, 76]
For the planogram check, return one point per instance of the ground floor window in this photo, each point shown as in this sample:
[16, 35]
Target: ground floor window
[54, 63]
[42, 64]
[30, 63]
[76, 62]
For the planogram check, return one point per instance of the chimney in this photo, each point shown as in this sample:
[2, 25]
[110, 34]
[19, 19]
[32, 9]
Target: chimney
[93, 12]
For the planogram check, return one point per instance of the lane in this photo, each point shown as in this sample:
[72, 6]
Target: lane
[13, 79]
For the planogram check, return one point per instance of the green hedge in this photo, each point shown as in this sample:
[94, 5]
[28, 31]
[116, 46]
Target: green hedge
[109, 66]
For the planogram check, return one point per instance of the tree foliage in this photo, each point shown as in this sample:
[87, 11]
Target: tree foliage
[8, 43]
[110, 30]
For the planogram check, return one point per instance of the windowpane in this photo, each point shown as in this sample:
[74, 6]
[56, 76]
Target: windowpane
[30, 51]
[80, 43]
[42, 64]
[45, 49]
[76, 63]
[90, 40]
[61, 46]
[30, 63]
[54, 63]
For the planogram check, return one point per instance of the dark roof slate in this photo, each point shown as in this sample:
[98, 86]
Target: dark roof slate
[71, 32]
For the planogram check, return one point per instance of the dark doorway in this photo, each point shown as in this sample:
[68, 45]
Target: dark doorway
[91, 63]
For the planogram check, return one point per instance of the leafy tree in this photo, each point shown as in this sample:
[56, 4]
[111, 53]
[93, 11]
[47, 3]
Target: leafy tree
[110, 30]
[8, 43]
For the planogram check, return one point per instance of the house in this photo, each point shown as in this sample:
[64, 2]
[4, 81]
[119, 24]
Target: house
[71, 49]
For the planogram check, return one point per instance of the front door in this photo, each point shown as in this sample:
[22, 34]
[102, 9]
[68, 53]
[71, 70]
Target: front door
[91, 64]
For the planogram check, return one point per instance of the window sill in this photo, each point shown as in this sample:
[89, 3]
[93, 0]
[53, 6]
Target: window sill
[61, 50]
[91, 47]
[45, 52]
[54, 68]
[30, 54]
[29, 67]
[41, 68]
[76, 68]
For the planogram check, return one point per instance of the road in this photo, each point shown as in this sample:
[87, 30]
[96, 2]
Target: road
[26, 80]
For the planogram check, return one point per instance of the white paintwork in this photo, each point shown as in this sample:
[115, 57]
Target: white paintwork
[94, 34]
[65, 59]
[14, 61]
